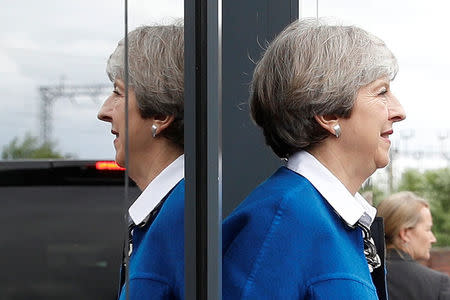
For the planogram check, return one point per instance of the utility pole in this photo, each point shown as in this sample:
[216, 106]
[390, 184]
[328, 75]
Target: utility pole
[390, 169]
[404, 136]
[50, 93]
[443, 137]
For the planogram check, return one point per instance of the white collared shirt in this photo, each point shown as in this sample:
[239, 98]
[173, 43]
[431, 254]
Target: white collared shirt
[157, 189]
[350, 208]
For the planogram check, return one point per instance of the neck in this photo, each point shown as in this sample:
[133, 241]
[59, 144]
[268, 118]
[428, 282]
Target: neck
[399, 248]
[351, 173]
[145, 167]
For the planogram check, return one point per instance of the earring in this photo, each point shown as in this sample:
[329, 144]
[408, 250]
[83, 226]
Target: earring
[154, 129]
[337, 130]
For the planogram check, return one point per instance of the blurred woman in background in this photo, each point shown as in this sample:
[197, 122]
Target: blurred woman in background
[408, 231]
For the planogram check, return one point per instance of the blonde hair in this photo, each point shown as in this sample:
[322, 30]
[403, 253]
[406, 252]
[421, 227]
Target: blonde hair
[400, 210]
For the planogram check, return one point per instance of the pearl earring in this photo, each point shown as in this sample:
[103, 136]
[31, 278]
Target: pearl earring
[337, 130]
[154, 129]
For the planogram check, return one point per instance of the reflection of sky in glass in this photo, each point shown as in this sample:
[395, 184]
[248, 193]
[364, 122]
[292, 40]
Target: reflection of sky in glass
[72, 40]
[69, 40]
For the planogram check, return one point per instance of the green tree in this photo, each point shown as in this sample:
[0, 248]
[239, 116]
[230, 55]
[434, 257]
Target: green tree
[438, 191]
[30, 148]
[414, 181]
[433, 185]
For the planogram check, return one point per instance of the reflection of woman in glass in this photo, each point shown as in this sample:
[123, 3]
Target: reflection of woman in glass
[322, 96]
[156, 161]
[408, 224]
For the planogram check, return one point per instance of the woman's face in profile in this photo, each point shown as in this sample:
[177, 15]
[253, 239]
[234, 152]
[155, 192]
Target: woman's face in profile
[420, 237]
[113, 111]
[370, 124]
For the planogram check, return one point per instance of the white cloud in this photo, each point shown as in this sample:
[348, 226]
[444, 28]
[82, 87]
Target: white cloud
[7, 65]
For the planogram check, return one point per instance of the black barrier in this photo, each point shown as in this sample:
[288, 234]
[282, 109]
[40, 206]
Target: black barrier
[61, 230]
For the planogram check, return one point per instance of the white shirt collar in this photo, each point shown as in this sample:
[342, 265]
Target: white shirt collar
[157, 189]
[348, 207]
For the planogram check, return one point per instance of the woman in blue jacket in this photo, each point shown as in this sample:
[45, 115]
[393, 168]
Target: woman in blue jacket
[321, 94]
[156, 160]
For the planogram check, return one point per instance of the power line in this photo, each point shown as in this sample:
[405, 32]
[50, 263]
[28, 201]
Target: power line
[50, 93]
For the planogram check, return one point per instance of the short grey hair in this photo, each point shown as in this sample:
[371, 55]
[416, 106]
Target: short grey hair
[313, 69]
[156, 73]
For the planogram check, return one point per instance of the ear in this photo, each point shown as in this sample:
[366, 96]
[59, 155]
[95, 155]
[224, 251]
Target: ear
[327, 122]
[403, 234]
[162, 122]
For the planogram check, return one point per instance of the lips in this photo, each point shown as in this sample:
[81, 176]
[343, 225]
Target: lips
[387, 133]
[114, 132]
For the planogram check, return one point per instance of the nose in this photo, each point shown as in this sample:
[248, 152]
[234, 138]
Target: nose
[104, 113]
[433, 238]
[396, 111]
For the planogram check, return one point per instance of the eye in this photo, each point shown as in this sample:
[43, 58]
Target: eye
[382, 91]
[116, 91]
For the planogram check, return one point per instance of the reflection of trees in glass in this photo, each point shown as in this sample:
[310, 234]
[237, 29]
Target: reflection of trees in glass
[31, 148]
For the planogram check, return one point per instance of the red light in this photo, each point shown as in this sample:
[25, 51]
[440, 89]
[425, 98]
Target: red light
[108, 165]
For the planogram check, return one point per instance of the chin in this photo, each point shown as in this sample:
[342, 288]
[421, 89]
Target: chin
[383, 161]
[120, 161]
[382, 164]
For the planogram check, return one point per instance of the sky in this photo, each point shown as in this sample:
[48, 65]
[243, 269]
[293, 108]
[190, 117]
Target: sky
[47, 42]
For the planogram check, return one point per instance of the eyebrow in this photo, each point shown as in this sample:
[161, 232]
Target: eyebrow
[382, 82]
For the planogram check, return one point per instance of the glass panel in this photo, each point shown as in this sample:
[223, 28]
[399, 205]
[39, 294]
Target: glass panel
[62, 235]
[63, 46]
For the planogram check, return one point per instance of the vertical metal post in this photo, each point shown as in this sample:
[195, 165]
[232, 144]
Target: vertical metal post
[203, 175]
[127, 156]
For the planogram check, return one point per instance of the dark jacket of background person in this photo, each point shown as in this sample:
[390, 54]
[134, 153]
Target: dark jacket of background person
[409, 280]
[379, 274]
